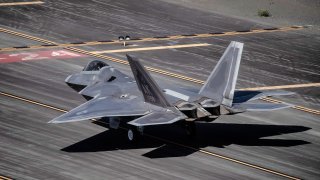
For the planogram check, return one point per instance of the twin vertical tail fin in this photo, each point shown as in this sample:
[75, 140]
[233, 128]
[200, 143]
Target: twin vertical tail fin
[164, 113]
[151, 91]
[221, 83]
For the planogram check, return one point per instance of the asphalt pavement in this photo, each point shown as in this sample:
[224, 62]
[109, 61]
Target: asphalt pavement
[278, 145]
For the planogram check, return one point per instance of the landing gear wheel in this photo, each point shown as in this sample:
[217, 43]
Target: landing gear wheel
[190, 128]
[130, 135]
[133, 135]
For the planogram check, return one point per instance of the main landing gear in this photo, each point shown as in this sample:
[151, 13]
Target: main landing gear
[134, 133]
[190, 127]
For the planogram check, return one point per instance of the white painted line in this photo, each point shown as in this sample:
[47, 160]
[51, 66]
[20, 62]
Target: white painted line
[151, 48]
[176, 94]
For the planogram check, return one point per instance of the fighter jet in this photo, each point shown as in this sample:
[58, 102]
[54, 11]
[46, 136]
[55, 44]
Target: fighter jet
[139, 102]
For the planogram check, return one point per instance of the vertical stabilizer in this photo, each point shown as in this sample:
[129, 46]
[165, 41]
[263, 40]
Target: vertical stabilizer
[151, 92]
[221, 83]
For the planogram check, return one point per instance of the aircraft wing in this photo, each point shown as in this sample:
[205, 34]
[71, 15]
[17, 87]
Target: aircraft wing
[110, 89]
[157, 118]
[129, 105]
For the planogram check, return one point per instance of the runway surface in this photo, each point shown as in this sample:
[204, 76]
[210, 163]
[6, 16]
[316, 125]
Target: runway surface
[278, 145]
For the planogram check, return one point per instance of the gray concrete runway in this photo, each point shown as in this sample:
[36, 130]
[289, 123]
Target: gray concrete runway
[285, 141]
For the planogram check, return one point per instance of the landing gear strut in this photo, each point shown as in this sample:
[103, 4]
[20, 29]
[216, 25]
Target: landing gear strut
[190, 128]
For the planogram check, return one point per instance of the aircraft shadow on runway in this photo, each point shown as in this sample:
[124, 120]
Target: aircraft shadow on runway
[208, 134]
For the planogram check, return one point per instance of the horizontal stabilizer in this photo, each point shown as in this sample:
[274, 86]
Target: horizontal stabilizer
[260, 106]
[244, 96]
[105, 107]
[157, 118]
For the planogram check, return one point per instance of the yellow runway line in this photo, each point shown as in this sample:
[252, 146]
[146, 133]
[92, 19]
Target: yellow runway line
[312, 111]
[301, 108]
[4, 178]
[21, 3]
[32, 102]
[151, 48]
[26, 36]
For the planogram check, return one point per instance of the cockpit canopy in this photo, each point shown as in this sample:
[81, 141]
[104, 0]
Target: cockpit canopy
[94, 65]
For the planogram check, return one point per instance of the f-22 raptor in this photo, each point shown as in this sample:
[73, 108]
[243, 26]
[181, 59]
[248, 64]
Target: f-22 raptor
[138, 102]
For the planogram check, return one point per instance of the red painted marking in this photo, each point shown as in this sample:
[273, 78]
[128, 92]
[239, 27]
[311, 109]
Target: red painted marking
[39, 55]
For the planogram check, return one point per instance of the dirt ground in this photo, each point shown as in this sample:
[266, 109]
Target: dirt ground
[283, 12]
